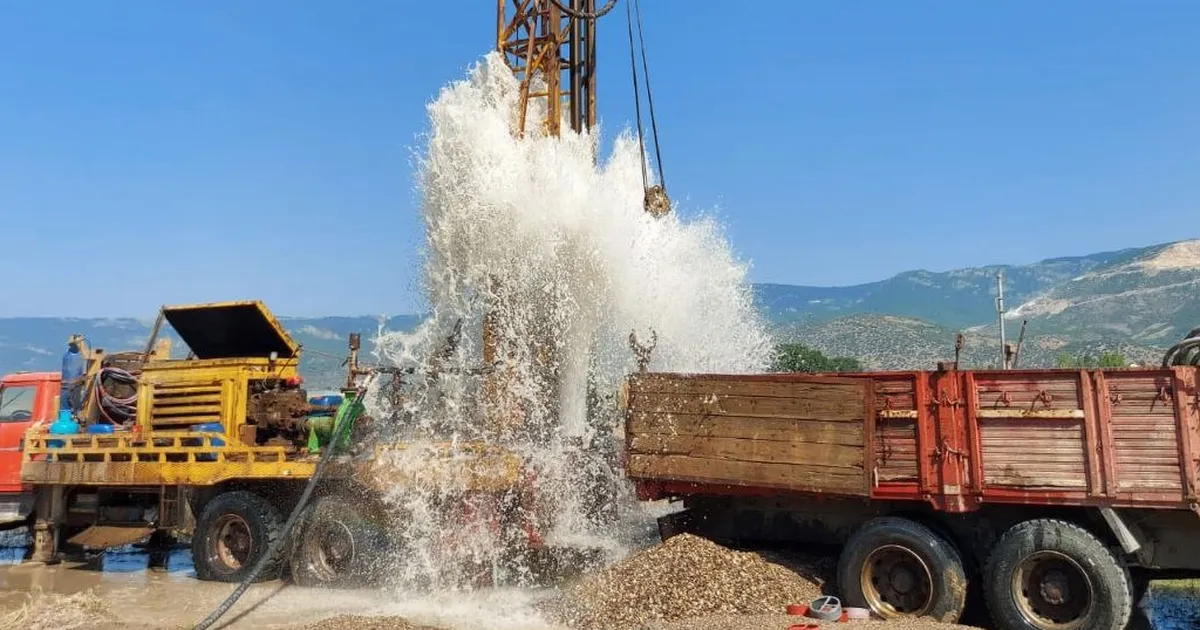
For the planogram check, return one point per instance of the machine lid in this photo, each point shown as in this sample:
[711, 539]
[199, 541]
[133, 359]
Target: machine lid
[227, 330]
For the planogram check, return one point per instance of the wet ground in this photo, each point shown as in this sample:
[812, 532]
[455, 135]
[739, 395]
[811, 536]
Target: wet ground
[119, 589]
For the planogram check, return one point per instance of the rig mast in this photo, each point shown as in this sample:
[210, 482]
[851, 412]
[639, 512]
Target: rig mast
[551, 47]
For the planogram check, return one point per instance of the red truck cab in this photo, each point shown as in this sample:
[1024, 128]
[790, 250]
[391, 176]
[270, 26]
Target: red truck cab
[26, 398]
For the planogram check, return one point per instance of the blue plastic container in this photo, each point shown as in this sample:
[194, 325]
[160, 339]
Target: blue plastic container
[208, 427]
[325, 401]
[64, 425]
[99, 428]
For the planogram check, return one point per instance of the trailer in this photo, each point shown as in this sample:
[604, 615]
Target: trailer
[220, 446]
[1056, 494]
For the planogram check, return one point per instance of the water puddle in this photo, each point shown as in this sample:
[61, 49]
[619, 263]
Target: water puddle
[1171, 607]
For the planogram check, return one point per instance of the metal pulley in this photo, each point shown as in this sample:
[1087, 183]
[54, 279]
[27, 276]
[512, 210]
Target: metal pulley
[656, 201]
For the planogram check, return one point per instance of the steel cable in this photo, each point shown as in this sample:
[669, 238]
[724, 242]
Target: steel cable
[637, 98]
[662, 177]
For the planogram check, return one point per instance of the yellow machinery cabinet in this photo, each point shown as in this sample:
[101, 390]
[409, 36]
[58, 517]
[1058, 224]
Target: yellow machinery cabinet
[241, 373]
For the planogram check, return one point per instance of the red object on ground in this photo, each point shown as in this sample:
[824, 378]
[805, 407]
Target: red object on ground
[799, 610]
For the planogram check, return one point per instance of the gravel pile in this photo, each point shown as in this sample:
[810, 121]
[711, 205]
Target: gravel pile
[358, 622]
[688, 577]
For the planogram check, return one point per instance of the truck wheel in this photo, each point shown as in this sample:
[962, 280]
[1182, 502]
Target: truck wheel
[899, 568]
[233, 532]
[336, 545]
[1048, 574]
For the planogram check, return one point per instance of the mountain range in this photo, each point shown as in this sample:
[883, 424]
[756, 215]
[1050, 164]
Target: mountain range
[1135, 301]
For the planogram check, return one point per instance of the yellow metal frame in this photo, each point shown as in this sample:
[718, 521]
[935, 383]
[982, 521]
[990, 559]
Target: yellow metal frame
[132, 460]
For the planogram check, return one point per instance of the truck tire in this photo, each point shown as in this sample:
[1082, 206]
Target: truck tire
[1047, 574]
[900, 568]
[233, 532]
[337, 545]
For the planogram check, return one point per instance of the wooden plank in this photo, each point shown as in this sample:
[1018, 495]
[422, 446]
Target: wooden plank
[743, 450]
[699, 385]
[791, 477]
[828, 406]
[771, 429]
[1031, 483]
[1056, 414]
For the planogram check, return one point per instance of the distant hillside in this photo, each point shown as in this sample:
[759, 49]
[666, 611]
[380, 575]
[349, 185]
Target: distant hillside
[1137, 301]
[887, 342]
[958, 298]
[1153, 299]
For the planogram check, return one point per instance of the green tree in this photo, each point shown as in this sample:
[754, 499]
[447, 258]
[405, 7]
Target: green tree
[1105, 360]
[795, 357]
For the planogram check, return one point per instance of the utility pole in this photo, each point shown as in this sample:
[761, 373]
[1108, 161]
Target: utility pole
[1000, 318]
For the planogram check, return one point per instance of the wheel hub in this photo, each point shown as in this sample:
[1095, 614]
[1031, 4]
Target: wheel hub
[331, 547]
[1052, 591]
[1055, 588]
[896, 582]
[233, 541]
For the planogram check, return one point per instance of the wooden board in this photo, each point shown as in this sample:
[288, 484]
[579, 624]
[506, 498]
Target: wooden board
[788, 432]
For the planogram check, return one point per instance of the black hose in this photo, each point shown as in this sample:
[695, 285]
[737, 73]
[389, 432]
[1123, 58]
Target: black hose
[1186, 352]
[287, 527]
[581, 15]
[116, 409]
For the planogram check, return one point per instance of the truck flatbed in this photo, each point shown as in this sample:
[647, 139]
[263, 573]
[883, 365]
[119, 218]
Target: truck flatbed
[954, 439]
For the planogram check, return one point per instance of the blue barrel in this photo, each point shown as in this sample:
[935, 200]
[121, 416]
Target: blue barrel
[208, 427]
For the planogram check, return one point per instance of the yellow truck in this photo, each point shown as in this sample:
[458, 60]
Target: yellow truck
[221, 444]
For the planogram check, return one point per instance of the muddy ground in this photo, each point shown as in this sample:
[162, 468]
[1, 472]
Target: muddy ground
[684, 584]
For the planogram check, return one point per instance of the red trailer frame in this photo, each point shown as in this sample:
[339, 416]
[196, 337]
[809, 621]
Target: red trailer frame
[961, 439]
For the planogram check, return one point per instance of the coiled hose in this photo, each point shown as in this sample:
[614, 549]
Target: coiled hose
[115, 409]
[1186, 352]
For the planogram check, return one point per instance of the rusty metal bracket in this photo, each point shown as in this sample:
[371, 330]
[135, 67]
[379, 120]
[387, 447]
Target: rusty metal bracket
[946, 400]
[944, 449]
[642, 350]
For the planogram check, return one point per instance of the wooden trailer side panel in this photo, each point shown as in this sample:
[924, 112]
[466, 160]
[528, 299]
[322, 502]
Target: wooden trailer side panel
[896, 451]
[789, 432]
[1031, 430]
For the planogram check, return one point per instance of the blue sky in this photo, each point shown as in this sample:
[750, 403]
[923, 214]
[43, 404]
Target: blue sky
[158, 152]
